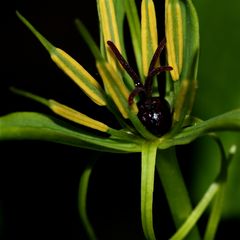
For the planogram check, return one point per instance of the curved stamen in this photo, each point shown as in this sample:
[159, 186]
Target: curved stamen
[152, 71]
[125, 64]
[144, 90]
[149, 80]
[134, 93]
[158, 70]
[156, 55]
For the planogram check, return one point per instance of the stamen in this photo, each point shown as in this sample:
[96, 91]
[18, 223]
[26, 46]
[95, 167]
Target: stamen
[125, 64]
[152, 71]
[134, 93]
[157, 55]
[158, 70]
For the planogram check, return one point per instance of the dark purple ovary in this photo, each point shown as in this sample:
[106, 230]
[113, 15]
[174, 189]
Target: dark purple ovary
[155, 115]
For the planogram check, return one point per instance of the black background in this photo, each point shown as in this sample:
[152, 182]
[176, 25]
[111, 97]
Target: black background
[39, 180]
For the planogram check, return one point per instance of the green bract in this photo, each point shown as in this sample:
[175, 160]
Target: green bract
[182, 36]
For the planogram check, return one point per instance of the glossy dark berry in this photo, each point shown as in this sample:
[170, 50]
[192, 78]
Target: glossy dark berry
[154, 112]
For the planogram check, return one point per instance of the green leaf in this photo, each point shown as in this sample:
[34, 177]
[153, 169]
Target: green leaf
[147, 185]
[37, 126]
[71, 67]
[229, 121]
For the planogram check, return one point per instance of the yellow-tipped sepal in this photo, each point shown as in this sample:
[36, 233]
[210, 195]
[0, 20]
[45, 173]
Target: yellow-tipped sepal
[174, 36]
[116, 88]
[110, 31]
[149, 34]
[65, 111]
[79, 75]
[182, 33]
[76, 116]
[71, 67]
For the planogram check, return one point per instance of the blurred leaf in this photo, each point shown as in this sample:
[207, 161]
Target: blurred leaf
[218, 92]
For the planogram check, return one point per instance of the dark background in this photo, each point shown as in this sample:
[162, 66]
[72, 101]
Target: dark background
[39, 180]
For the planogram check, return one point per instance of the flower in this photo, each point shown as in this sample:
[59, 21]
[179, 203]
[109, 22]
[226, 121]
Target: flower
[182, 44]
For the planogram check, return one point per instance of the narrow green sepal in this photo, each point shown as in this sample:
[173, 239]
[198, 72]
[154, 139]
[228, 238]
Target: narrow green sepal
[88, 40]
[30, 95]
[39, 36]
[71, 67]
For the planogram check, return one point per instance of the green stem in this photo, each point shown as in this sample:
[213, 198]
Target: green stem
[175, 189]
[147, 184]
[215, 214]
[196, 213]
[82, 201]
[219, 199]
